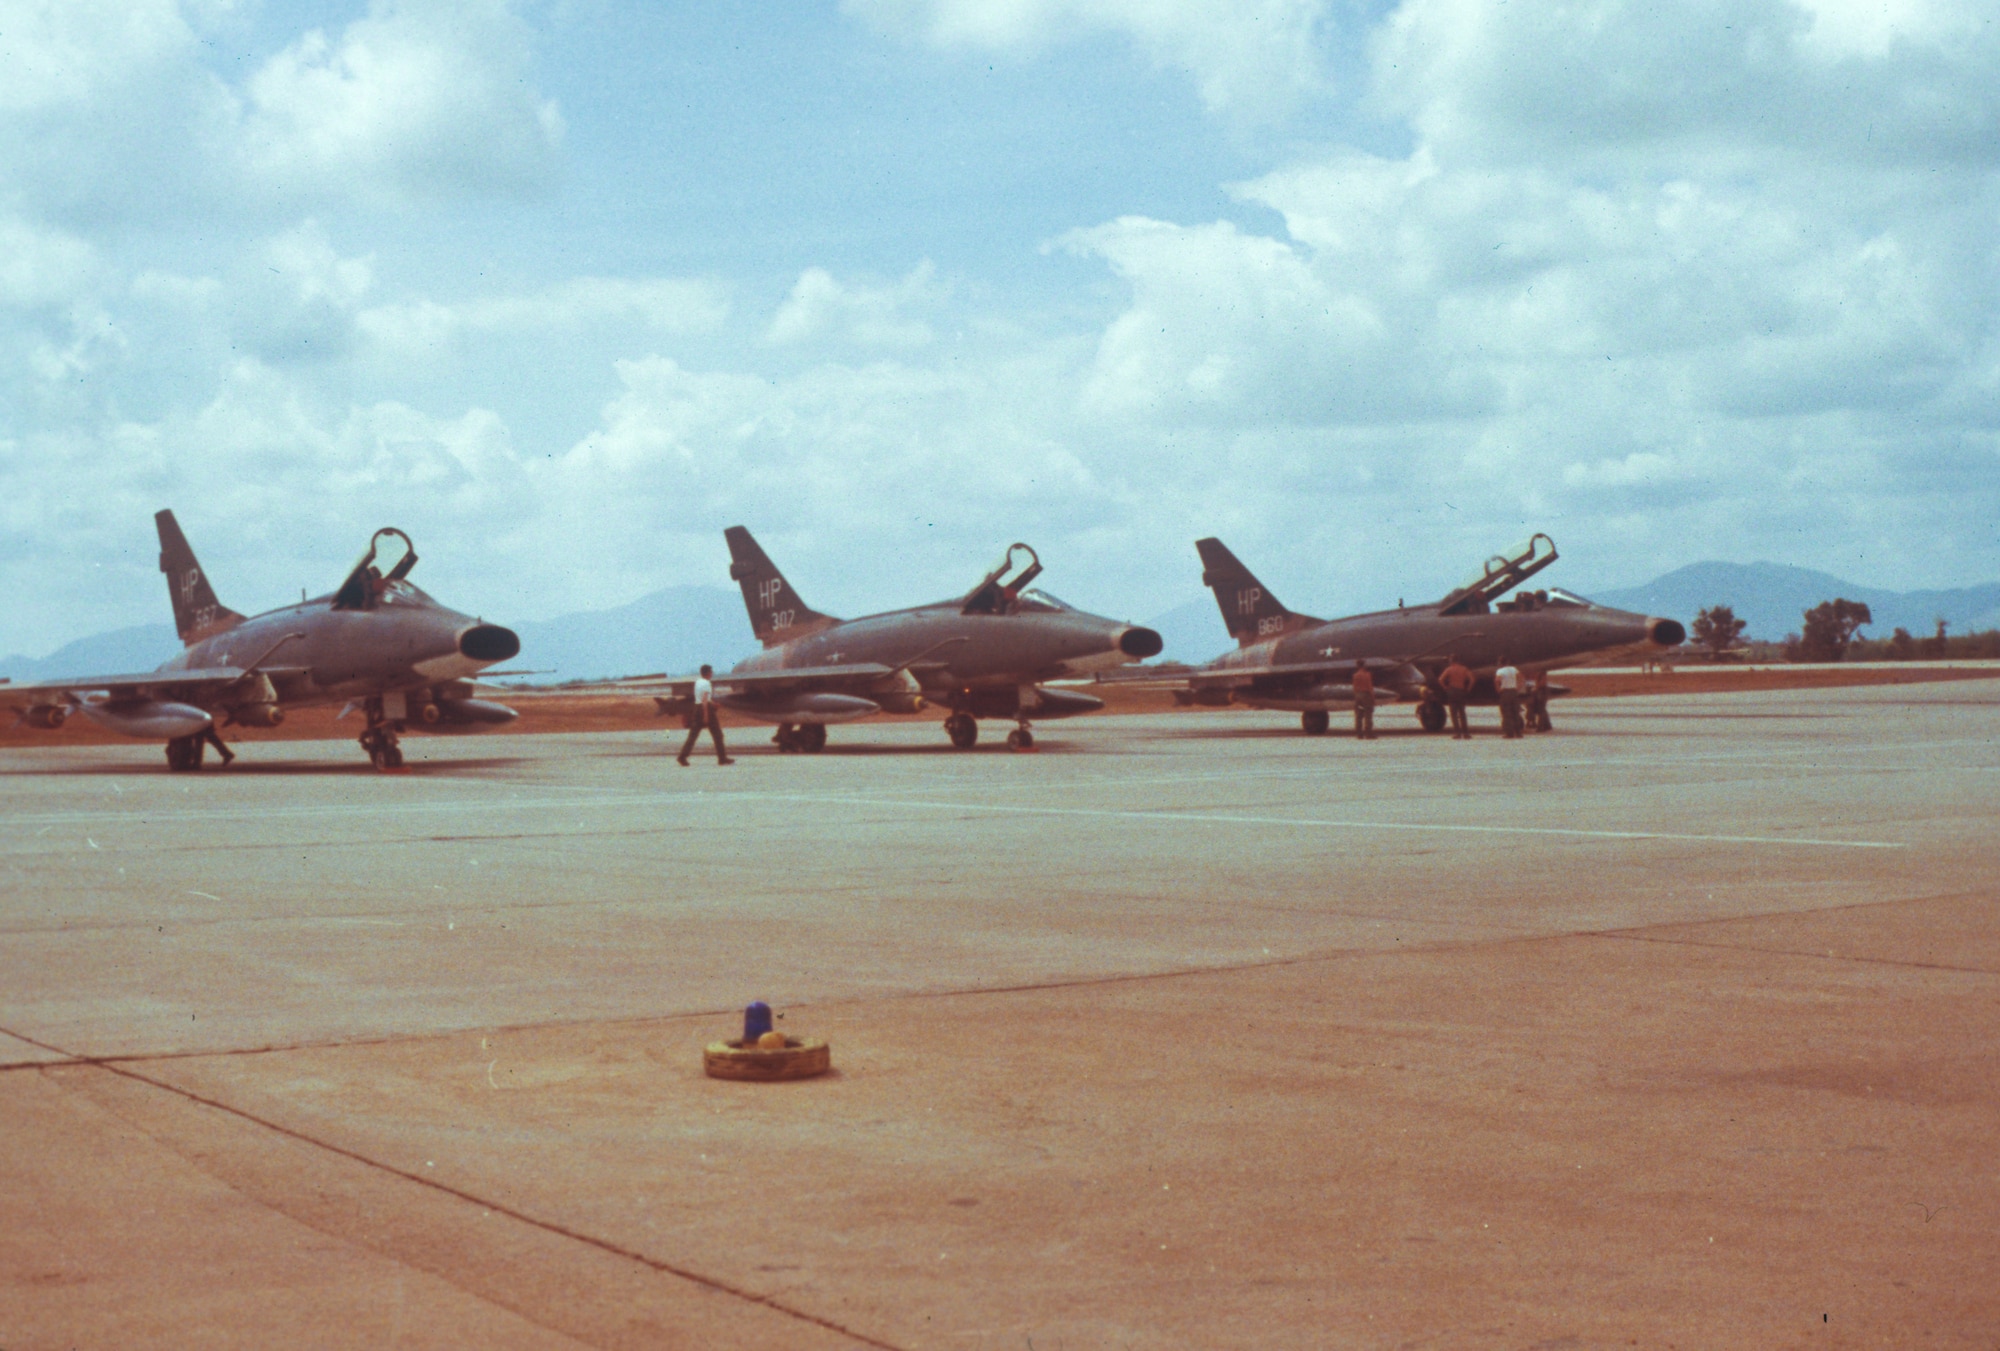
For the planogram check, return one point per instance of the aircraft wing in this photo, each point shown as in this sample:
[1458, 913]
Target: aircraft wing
[1223, 677]
[807, 675]
[180, 683]
[682, 687]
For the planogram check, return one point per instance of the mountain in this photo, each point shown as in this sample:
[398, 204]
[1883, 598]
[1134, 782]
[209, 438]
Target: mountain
[674, 630]
[681, 627]
[1192, 632]
[1773, 598]
[119, 652]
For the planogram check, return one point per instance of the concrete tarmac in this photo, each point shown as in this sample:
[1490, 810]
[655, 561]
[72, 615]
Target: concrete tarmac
[1678, 1027]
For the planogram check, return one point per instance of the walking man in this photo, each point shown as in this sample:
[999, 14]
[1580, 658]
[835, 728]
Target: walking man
[1507, 684]
[214, 738]
[705, 715]
[1364, 703]
[1456, 682]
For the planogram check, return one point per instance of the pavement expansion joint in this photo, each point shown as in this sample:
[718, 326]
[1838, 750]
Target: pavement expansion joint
[495, 1207]
[1905, 963]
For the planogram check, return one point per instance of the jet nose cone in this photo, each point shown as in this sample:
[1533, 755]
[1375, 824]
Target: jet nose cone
[1666, 632]
[1139, 643]
[489, 642]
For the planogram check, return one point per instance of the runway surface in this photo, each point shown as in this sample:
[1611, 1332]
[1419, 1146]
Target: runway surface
[1679, 1027]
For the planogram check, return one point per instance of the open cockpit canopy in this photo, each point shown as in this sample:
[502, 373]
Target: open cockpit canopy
[378, 577]
[1498, 575]
[1000, 592]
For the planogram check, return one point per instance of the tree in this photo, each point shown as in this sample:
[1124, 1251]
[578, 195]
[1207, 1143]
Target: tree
[1902, 646]
[1830, 627]
[1936, 645]
[1717, 628]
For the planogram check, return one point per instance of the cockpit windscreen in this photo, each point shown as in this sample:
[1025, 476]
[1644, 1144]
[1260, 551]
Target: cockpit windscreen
[1037, 599]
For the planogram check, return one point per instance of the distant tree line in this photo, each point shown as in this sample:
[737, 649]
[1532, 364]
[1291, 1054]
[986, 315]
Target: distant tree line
[1830, 632]
[1900, 645]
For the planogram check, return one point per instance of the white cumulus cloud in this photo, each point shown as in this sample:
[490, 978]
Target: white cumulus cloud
[822, 309]
[419, 100]
[1252, 57]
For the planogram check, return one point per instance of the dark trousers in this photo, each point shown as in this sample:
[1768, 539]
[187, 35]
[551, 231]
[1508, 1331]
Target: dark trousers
[1538, 712]
[1510, 713]
[1364, 716]
[713, 723]
[1455, 704]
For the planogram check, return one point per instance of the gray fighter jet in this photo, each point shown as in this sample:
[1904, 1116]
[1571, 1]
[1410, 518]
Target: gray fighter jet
[378, 643]
[1300, 664]
[986, 654]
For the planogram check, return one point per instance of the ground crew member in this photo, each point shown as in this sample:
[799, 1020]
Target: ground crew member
[1364, 703]
[1507, 684]
[1456, 682]
[704, 714]
[214, 738]
[1538, 703]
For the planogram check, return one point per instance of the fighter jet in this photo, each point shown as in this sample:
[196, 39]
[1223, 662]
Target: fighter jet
[1290, 661]
[986, 654]
[377, 642]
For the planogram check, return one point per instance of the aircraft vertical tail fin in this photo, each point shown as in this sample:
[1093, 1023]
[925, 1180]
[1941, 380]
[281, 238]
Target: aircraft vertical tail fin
[777, 615]
[1248, 607]
[197, 613]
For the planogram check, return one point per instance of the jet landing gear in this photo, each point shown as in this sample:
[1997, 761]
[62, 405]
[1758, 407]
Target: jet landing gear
[1021, 738]
[184, 753]
[1314, 721]
[380, 740]
[963, 729]
[809, 737]
[1430, 715]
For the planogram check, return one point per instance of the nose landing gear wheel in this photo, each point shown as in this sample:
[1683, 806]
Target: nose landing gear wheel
[383, 751]
[1021, 739]
[1314, 721]
[963, 730]
[1430, 716]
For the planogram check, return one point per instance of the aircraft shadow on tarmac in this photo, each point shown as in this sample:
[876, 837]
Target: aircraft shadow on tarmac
[420, 769]
[1294, 734]
[1706, 715]
[846, 750]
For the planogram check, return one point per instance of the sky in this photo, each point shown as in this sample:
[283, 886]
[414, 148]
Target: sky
[1371, 290]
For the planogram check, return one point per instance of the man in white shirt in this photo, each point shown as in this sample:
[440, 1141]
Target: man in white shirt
[1507, 684]
[704, 714]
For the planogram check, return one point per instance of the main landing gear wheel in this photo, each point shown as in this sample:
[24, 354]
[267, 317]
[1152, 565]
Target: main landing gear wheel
[380, 740]
[1430, 716]
[383, 751]
[1314, 721]
[808, 737]
[1021, 739]
[963, 729]
[184, 753]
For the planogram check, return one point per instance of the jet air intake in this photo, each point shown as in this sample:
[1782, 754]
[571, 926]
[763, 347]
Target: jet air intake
[1666, 632]
[489, 642]
[1140, 644]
